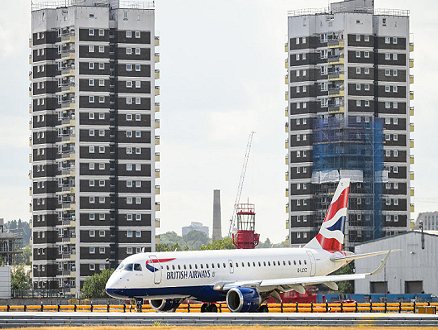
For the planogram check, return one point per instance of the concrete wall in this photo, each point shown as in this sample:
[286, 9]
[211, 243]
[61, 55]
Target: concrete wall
[5, 282]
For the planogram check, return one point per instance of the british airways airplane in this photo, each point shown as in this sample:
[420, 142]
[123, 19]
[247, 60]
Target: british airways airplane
[242, 278]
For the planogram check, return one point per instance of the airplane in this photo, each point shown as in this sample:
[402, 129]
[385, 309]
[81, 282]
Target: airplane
[244, 279]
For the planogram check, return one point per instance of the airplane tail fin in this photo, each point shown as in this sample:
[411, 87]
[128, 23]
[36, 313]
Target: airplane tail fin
[331, 233]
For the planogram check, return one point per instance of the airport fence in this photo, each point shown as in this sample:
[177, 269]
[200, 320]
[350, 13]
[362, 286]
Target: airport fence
[328, 307]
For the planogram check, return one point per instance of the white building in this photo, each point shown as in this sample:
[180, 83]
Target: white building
[429, 220]
[195, 226]
[414, 269]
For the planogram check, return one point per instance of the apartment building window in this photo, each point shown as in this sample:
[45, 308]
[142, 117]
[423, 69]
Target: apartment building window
[138, 134]
[129, 217]
[128, 67]
[91, 166]
[395, 153]
[128, 200]
[367, 87]
[357, 37]
[137, 100]
[129, 184]
[304, 89]
[357, 54]
[91, 132]
[358, 103]
[102, 251]
[128, 134]
[101, 132]
[394, 57]
[91, 49]
[129, 84]
[367, 103]
[366, 38]
[388, 153]
[91, 99]
[297, 73]
[388, 186]
[297, 41]
[91, 183]
[128, 150]
[137, 117]
[101, 183]
[395, 72]
[101, 66]
[91, 199]
[137, 184]
[101, 149]
[395, 218]
[91, 115]
[387, 105]
[138, 200]
[395, 89]
[129, 100]
[91, 217]
[138, 217]
[388, 218]
[388, 201]
[395, 201]
[91, 32]
[298, 154]
[137, 67]
[137, 150]
[367, 71]
[387, 39]
[298, 202]
[128, 51]
[101, 233]
[387, 56]
[91, 233]
[101, 216]
[129, 250]
[395, 120]
[387, 89]
[101, 49]
[91, 250]
[129, 233]
[137, 34]
[395, 185]
[358, 70]
[137, 51]
[101, 82]
[101, 115]
[129, 167]
[366, 54]
[92, 267]
[387, 72]
[358, 87]
[128, 34]
[91, 65]
[91, 149]
[129, 117]
[304, 73]
[102, 166]
[395, 169]
[101, 32]
[297, 57]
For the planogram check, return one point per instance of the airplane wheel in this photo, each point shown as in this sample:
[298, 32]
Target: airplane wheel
[212, 308]
[204, 308]
[263, 309]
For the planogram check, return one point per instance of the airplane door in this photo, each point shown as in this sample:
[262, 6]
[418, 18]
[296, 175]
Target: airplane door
[157, 269]
[230, 262]
[312, 263]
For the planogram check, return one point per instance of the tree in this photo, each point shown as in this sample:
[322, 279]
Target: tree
[24, 257]
[94, 286]
[346, 286]
[20, 279]
[221, 244]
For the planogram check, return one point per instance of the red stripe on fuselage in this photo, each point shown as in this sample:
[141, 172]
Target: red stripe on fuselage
[152, 261]
[340, 203]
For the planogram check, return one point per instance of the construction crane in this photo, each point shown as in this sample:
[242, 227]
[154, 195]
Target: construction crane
[242, 179]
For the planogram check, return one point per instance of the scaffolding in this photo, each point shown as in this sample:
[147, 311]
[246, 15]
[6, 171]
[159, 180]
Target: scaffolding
[350, 148]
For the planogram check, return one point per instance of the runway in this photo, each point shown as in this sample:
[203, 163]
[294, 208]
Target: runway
[33, 319]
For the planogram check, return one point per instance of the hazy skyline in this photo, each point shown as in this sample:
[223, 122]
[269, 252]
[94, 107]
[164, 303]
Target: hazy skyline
[222, 76]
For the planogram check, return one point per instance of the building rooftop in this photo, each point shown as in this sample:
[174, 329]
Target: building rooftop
[114, 4]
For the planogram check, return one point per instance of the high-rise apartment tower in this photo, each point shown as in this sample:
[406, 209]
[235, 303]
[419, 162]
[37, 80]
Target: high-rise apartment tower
[349, 115]
[93, 122]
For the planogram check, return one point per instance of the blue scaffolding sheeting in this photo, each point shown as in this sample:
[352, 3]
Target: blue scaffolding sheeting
[352, 145]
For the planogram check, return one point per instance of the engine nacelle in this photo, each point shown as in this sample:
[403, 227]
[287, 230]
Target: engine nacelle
[165, 305]
[243, 300]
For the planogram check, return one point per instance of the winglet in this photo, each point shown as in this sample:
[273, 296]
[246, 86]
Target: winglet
[379, 269]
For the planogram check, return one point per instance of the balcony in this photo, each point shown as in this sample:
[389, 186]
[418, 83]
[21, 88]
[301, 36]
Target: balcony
[286, 47]
[157, 156]
[286, 63]
[412, 191]
[68, 54]
[157, 173]
[287, 240]
[336, 92]
[69, 240]
[335, 59]
[286, 144]
[412, 160]
[68, 37]
[286, 95]
[157, 74]
[68, 72]
[286, 193]
[157, 223]
[157, 123]
[411, 95]
[412, 208]
[157, 189]
[287, 224]
[286, 79]
[157, 90]
[411, 176]
[157, 206]
[411, 46]
[157, 40]
[68, 139]
[287, 208]
[286, 127]
[411, 63]
[335, 43]
[411, 127]
[157, 57]
[411, 79]
[68, 155]
[286, 112]
[335, 76]
[68, 104]
[287, 176]
[411, 111]
[411, 143]
[286, 160]
[68, 256]
[68, 88]
[157, 239]
[157, 106]
[68, 172]
[68, 121]
[157, 140]
[335, 109]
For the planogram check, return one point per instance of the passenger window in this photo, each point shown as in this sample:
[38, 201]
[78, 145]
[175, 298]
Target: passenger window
[305, 262]
[173, 267]
[190, 266]
[264, 263]
[226, 266]
[167, 267]
[253, 264]
[179, 267]
[206, 265]
[237, 265]
[196, 266]
[273, 263]
[295, 263]
[299, 261]
[269, 263]
[260, 264]
[128, 267]
[212, 265]
[185, 267]
[219, 265]
[278, 263]
[249, 264]
[284, 263]
[243, 265]
[137, 267]
[202, 266]
[289, 262]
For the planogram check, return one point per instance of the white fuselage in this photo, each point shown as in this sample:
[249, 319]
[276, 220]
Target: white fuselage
[194, 274]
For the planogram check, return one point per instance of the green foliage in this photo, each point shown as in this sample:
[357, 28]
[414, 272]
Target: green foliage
[24, 257]
[221, 244]
[346, 286]
[94, 286]
[267, 244]
[170, 241]
[20, 279]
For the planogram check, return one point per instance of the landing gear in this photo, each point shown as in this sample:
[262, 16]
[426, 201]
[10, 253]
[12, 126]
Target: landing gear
[208, 308]
[263, 309]
[139, 305]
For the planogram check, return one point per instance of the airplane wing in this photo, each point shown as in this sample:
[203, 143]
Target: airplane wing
[298, 283]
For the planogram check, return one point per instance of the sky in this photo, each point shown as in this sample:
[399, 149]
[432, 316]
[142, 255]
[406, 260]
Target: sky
[222, 77]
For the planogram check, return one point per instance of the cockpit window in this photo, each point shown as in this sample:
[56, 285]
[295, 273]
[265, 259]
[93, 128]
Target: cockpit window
[120, 266]
[128, 267]
[137, 267]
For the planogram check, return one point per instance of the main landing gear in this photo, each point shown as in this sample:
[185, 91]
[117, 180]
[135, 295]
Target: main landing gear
[263, 309]
[208, 308]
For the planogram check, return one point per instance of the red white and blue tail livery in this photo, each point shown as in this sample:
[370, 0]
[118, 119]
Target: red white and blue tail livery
[242, 278]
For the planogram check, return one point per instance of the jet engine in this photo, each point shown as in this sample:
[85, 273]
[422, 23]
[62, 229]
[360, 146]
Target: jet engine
[243, 300]
[165, 305]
